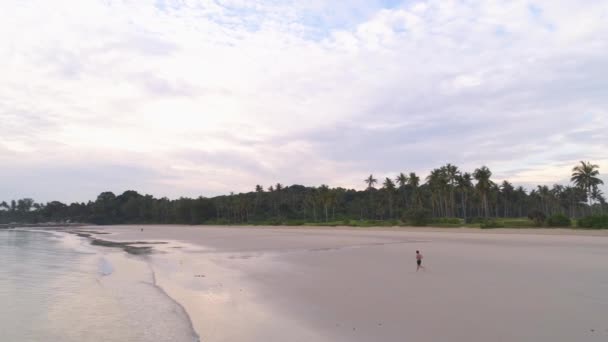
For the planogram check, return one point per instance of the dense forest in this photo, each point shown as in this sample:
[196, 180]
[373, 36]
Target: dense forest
[447, 194]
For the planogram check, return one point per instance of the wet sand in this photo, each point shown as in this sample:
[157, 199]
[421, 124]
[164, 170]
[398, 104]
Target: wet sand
[325, 284]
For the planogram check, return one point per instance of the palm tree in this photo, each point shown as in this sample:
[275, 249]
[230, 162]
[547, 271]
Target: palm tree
[570, 199]
[544, 196]
[402, 181]
[585, 177]
[483, 186]
[520, 198]
[437, 182]
[464, 185]
[598, 196]
[507, 190]
[278, 188]
[493, 198]
[451, 173]
[310, 200]
[326, 199]
[414, 183]
[259, 190]
[370, 181]
[389, 187]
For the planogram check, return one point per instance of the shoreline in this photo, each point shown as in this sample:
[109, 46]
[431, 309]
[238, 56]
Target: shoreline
[141, 250]
[87, 230]
[197, 336]
[434, 229]
[123, 281]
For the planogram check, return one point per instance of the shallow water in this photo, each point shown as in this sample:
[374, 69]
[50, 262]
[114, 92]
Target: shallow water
[55, 287]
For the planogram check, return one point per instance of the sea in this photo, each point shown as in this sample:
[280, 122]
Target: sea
[55, 287]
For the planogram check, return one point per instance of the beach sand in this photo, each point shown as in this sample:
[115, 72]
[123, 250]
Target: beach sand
[345, 284]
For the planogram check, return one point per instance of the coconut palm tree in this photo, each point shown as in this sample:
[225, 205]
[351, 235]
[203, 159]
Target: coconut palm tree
[520, 197]
[402, 180]
[451, 172]
[389, 188]
[259, 190]
[370, 181]
[484, 185]
[556, 196]
[544, 196]
[598, 196]
[585, 176]
[310, 201]
[326, 199]
[506, 191]
[437, 182]
[414, 183]
[464, 186]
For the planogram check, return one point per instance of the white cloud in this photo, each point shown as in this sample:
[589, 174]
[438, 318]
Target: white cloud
[294, 92]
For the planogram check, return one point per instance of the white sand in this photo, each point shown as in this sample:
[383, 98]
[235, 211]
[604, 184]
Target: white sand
[286, 284]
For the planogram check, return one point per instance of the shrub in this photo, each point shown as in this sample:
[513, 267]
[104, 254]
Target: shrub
[538, 217]
[417, 216]
[594, 221]
[476, 219]
[517, 223]
[559, 220]
[490, 223]
[295, 223]
[448, 220]
[218, 222]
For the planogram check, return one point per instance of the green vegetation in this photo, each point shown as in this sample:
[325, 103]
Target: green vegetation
[491, 223]
[538, 217]
[559, 220]
[417, 216]
[594, 222]
[517, 223]
[448, 198]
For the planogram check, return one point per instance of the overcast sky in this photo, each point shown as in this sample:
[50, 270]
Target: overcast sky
[189, 98]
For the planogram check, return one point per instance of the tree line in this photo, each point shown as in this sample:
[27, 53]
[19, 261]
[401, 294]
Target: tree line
[447, 192]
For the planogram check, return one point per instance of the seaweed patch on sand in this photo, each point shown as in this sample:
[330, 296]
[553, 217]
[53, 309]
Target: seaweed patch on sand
[131, 247]
[128, 247]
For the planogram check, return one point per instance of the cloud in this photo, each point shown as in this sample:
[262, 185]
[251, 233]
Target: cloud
[207, 97]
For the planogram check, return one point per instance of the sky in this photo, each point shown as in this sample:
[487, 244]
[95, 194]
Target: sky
[205, 97]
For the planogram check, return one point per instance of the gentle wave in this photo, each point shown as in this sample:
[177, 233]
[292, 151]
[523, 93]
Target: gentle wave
[55, 287]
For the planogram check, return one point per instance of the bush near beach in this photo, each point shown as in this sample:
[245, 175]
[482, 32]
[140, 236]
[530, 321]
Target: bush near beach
[417, 216]
[538, 217]
[594, 222]
[559, 220]
[491, 223]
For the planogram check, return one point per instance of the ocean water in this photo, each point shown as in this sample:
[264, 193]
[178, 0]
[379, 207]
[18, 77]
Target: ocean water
[55, 287]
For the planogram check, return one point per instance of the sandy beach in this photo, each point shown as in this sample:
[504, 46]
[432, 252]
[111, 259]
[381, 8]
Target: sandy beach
[344, 284]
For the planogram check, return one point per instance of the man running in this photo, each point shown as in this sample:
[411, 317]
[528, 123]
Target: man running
[419, 261]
